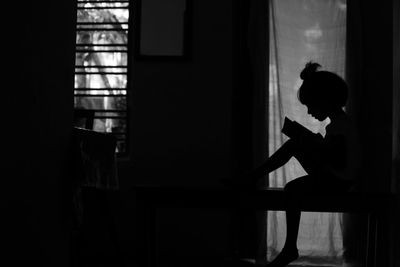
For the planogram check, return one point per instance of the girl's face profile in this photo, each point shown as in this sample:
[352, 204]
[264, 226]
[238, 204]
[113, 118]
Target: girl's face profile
[317, 111]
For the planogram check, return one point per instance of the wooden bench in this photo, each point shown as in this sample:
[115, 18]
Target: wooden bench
[378, 206]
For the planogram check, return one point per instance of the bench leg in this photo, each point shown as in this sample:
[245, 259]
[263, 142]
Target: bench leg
[372, 239]
[151, 235]
[145, 233]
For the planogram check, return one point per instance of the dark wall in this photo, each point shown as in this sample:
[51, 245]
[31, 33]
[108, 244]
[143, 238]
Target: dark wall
[37, 102]
[181, 129]
[181, 111]
[370, 72]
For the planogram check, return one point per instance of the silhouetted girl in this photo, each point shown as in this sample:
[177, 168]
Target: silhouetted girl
[331, 162]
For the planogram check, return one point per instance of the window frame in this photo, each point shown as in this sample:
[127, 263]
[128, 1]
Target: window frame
[90, 47]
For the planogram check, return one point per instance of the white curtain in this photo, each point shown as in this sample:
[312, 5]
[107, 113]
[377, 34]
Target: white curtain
[302, 31]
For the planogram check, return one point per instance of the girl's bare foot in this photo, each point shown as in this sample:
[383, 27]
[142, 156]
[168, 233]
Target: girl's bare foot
[284, 258]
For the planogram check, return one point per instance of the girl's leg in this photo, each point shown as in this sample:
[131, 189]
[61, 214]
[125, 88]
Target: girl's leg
[308, 183]
[277, 159]
[308, 158]
[289, 252]
[301, 184]
[289, 149]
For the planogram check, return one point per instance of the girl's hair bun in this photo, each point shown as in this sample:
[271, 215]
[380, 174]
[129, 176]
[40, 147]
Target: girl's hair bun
[309, 69]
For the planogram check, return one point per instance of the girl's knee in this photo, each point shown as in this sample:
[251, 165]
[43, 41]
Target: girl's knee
[299, 184]
[291, 144]
[291, 186]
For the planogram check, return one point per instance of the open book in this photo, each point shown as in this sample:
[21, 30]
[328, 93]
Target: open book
[295, 130]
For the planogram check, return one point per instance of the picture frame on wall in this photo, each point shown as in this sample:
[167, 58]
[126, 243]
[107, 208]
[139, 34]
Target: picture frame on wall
[163, 29]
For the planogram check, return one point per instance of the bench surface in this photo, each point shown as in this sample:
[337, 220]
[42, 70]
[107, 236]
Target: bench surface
[268, 199]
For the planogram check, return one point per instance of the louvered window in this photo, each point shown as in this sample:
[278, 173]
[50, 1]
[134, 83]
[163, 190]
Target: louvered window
[101, 65]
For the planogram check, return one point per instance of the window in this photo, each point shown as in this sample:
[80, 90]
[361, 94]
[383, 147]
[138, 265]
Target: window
[302, 31]
[101, 65]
